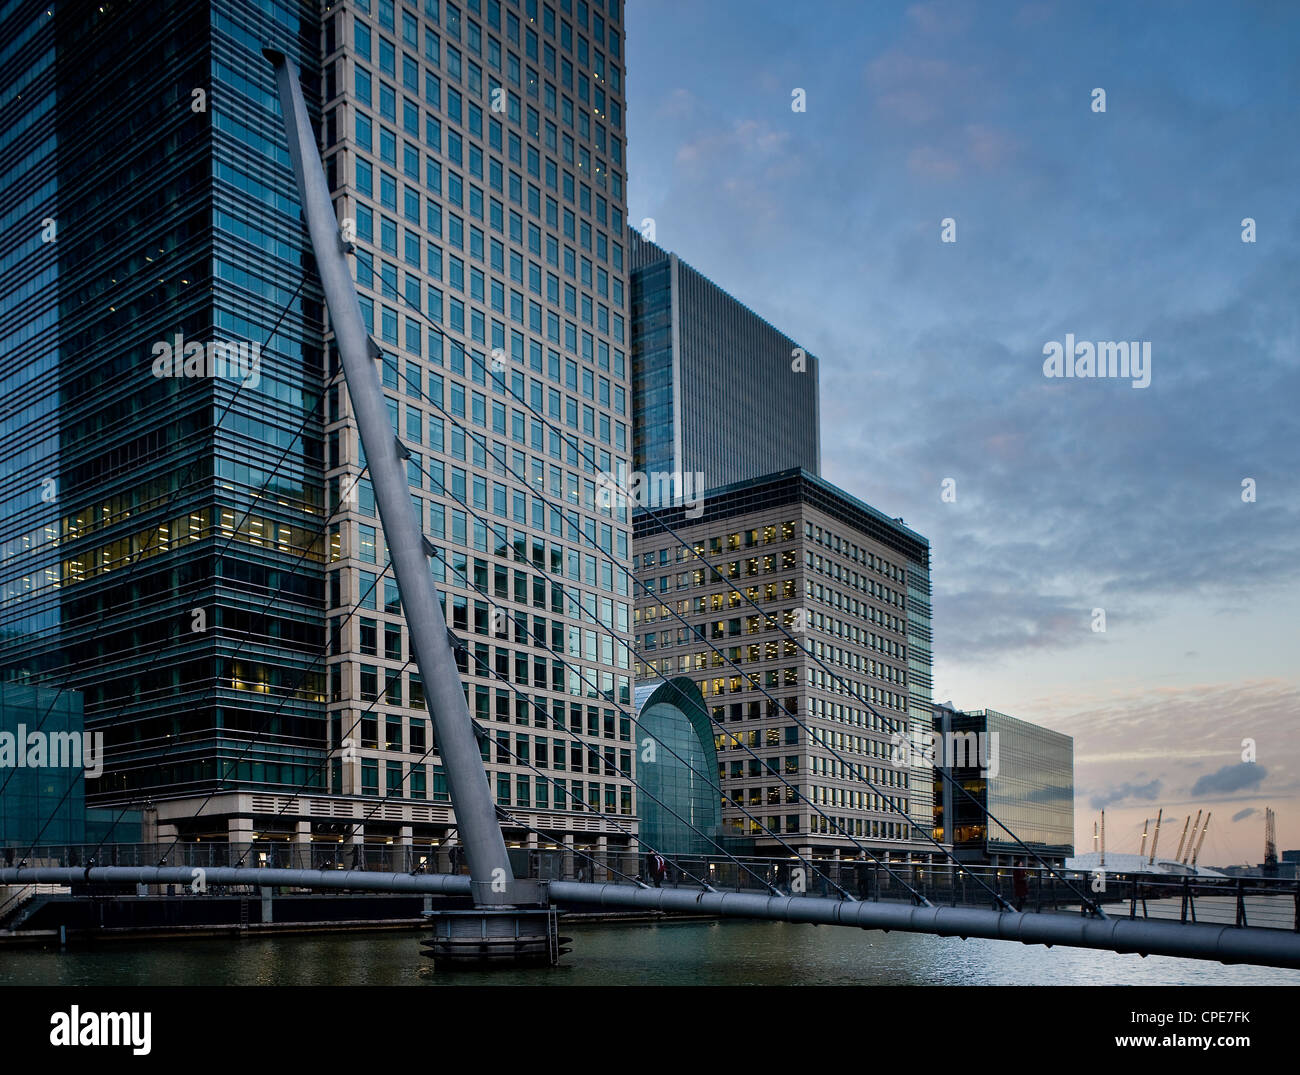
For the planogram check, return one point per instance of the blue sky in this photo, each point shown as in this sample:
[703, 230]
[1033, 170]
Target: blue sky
[1072, 494]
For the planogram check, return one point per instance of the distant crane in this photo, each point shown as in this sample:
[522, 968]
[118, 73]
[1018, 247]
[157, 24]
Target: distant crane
[1270, 842]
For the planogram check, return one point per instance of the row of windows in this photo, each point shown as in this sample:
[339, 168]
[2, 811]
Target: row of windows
[851, 798]
[856, 662]
[853, 579]
[851, 716]
[754, 709]
[737, 770]
[819, 795]
[561, 755]
[771, 591]
[875, 775]
[867, 828]
[851, 632]
[755, 565]
[858, 554]
[539, 711]
[818, 679]
[836, 599]
[775, 649]
[347, 730]
[401, 780]
[719, 544]
[771, 677]
[536, 793]
[754, 738]
[847, 743]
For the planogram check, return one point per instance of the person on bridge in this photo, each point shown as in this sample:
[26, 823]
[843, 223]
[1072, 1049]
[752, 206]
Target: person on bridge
[658, 868]
[1020, 883]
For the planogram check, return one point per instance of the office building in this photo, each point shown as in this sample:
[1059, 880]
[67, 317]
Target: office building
[492, 273]
[215, 583]
[850, 585]
[1018, 772]
[152, 208]
[717, 390]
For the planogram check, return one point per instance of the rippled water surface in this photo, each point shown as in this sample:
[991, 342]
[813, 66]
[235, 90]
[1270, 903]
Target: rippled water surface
[680, 953]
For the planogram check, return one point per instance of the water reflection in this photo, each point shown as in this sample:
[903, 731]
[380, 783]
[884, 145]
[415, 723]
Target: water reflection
[681, 953]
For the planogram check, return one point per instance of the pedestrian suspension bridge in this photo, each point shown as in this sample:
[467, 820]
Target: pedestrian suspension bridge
[504, 915]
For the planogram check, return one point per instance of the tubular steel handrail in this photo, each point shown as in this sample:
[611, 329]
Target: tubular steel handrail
[1225, 943]
[1274, 903]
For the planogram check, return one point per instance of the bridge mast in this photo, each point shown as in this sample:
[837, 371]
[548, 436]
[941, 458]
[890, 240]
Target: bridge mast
[493, 884]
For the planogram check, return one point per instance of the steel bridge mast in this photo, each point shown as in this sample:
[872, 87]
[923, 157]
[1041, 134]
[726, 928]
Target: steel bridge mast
[510, 919]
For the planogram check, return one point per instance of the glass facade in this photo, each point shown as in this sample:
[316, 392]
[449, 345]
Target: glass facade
[476, 152]
[656, 423]
[143, 533]
[1021, 773]
[34, 804]
[681, 812]
[45, 802]
[196, 549]
[717, 390]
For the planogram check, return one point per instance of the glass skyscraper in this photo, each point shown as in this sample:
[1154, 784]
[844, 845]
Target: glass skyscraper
[479, 150]
[717, 390]
[193, 545]
[141, 530]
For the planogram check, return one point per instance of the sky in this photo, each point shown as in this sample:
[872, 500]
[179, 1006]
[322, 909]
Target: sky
[1172, 508]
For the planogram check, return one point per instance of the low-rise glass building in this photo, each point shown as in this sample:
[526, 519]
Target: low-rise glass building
[46, 762]
[1019, 772]
[681, 803]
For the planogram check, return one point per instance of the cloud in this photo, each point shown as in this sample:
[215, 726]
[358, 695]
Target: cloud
[1241, 815]
[1230, 778]
[935, 17]
[745, 137]
[1141, 792]
[931, 163]
[678, 104]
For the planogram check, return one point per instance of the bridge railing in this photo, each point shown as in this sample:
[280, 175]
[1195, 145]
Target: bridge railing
[1245, 901]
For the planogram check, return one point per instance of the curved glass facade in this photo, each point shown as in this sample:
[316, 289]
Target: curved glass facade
[678, 766]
